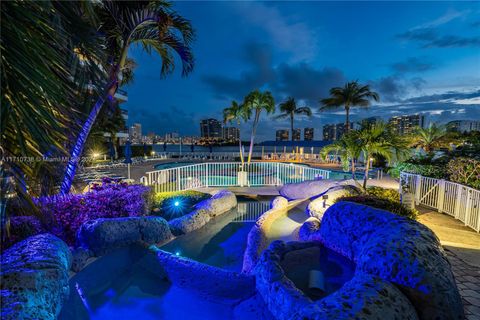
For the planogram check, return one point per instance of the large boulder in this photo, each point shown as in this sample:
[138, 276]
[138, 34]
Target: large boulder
[317, 207]
[362, 297]
[395, 249]
[220, 202]
[104, 235]
[307, 189]
[34, 278]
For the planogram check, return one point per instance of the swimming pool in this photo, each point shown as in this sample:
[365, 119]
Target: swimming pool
[222, 241]
[170, 165]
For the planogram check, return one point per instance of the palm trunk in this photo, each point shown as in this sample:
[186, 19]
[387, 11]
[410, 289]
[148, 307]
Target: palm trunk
[79, 145]
[77, 150]
[240, 148]
[252, 137]
[347, 120]
[353, 168]
[367, 168]
[291, 124]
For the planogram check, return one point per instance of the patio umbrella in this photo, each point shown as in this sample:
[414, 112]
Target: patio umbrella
[210, 148]
[128, 156]
[144, 149]
[165, 146]
[192, 148]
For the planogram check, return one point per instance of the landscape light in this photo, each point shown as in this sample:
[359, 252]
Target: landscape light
[177, 253]
[176, 203]
[95, 155]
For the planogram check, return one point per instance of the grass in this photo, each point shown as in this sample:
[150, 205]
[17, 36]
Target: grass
[171, 205]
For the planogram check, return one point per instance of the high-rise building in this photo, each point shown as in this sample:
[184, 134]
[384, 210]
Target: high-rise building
[211, 128]
[330, 132]
[231, 134]
[308, 134]
[463, 125]
[136, 133]
[407, 123]
[281, 135]
[334, 132]
[368, 122]
[296, 134]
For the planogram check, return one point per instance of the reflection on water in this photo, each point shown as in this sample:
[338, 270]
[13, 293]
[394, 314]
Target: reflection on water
[222, 241]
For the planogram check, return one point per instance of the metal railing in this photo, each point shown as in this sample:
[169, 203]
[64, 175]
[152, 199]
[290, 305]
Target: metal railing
[229, 174]
[454, 199]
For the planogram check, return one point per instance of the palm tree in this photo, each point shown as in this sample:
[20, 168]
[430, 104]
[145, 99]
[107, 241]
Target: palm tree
[290, 109]
[347, 148]
[256, 101]
[429, 138]
[47, 48]
[378, 139]
[154, 26]
[351, 95]
[237, 113]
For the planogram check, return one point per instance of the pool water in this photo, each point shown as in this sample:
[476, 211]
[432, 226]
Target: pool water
[222, 241]
[170, 165]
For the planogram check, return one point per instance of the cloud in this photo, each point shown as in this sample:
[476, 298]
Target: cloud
[412, 65]
[299, 80]
[294, 37]
[305, 82]
[427, 34]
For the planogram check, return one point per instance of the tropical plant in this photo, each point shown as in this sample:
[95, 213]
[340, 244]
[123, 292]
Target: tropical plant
[255, 102]
[237, 113]
[465, 171]
[351, 95]
[290, 109]
[48, 49]
[347, 148]
[154, 26]
[378, 139]
[429, 138]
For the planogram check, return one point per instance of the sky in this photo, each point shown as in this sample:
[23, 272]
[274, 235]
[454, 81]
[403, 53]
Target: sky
[421, 57]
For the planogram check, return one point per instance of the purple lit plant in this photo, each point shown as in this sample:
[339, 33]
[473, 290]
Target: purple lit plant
[111, 199]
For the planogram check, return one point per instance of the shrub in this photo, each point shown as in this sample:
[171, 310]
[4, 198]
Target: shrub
[465, 171]
[164, 203]
[427, 170]
[381, 203]
[382, 193]
[107, 200]
[22, 227]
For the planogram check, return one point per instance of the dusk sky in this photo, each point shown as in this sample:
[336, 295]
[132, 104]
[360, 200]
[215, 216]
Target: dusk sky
[421, 57]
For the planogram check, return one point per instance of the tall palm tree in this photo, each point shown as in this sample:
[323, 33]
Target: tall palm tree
[429, 138]
[155, 27]
[351, 95]
[47, 48]
[347, 148]
[255, 102]
[290, 109]
[378, 139]
[237, 113]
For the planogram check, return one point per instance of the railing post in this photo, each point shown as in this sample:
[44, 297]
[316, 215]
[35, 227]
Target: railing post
[418, 187]
[278, 174]
[458, 200]
[441, 195]
[178, 179]
[206, 174]
[468, 208]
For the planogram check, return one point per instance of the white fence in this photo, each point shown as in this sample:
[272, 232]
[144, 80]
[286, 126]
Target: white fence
[454, 199]
[229, 174]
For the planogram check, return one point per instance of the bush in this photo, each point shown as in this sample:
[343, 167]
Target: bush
[427, 170]
[465, 171]
[382, 203]
[22, 227]
[164, 203]
[107, 200]
[382, 193]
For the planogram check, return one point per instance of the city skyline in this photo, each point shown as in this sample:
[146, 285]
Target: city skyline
[424, 62]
